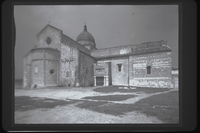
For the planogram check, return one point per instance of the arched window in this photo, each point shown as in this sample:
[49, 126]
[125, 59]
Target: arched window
[148, 69]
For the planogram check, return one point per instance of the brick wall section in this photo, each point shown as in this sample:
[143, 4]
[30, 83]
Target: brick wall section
[86, 62]
[160, 70]
[53, 33]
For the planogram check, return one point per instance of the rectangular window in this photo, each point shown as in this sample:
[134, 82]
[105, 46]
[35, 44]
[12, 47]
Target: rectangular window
[67, 74]
[148, 69]
[119, 67]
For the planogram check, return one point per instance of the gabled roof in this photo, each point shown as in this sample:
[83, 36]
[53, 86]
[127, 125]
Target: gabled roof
[48, 25]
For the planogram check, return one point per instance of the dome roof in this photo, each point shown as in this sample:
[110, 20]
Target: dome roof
[85, 37]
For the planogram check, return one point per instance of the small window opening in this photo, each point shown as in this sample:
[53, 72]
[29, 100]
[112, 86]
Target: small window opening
[86, 71]
[35, 86]
[48, 40]
[52, 71]
[36, 69]
[119, 67]
[67, 74]
[148, 69]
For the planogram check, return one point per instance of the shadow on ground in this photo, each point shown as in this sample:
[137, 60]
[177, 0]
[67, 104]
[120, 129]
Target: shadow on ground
[138, 89]
[111, 97]
[163, 106]
[24, 103]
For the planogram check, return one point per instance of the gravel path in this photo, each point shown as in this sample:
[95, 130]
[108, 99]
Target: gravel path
[72, 114]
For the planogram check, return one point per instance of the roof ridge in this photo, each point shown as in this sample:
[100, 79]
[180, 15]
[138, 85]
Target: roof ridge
[45, 27]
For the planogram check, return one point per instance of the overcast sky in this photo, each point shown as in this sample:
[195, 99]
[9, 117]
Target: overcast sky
[110, 25]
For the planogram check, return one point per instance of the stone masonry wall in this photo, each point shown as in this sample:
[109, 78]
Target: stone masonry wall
[42, 61]
[52, 62]
[160, 75]
[37, 73]
[27, 71]
[55, 36]
[68, 66]
[86, 76]
[51, 79]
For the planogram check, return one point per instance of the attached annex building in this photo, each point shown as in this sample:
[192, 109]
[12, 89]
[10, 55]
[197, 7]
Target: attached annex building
[58, 60]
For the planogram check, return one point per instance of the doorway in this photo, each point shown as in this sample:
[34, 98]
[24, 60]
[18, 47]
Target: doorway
[99, 81]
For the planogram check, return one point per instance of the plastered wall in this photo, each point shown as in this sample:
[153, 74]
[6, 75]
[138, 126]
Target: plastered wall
[119, 78]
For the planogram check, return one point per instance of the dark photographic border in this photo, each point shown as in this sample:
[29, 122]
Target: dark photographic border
[187, 71]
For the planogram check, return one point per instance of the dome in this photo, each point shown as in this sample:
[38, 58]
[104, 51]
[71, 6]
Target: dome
[85, 37]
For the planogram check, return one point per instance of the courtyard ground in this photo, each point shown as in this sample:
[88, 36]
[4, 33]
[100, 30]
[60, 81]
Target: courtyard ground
[96, 105]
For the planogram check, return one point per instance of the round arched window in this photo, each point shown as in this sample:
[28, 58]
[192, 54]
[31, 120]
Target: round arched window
[52, 71]
[48, 40]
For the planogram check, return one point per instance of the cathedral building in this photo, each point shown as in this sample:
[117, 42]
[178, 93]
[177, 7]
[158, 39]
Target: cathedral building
[58, 60]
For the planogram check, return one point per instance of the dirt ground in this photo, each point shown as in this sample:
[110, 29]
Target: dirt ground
[56, 105]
